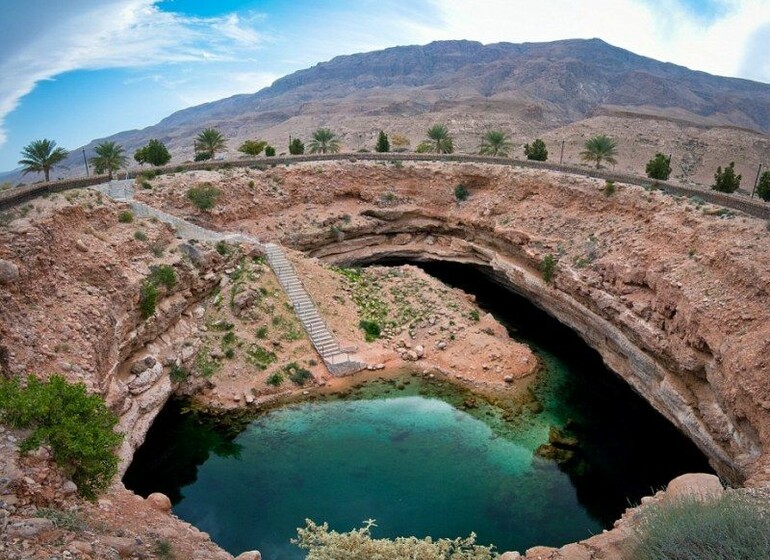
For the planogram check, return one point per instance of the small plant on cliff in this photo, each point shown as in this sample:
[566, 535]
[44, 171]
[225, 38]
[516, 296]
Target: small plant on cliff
[726, 181]
[547, 267]
[163, 275]
[78, 428]
[323, 544]
[204, 197]
[164, 550]
[126, 217]
[275, 379]
[371, 330]
[177, 373]
[731, 527]
[461, 193]
[659, 167]
[148, 298]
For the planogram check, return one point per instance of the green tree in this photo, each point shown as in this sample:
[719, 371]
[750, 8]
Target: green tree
[296, 147]
[726, 181]
[269, 151]
[763, 188]
[440, 140]
[156, 153]
[140, 155]
[78, 428]
[109, 158]
[383, 144]
[599, 148]
[537, 151]
[324, 141]
[659, 167]
[252, 147]
[39, 156]
[495, 143]
[210, 141]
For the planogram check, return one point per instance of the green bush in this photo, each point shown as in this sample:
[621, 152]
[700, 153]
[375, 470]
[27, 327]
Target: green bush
[537, 151]
[77, 426]
[547, 267]
[726, 181]
[139, 235]
[259, 356]
[461, 193]
[163, 275]
[297, 374]
[262, 332]
[659, 167]
[609, 187]
[203, 156]
[177, 373]
[126, 217]
[474, 315]
[148, 298]
[275, 379]
[763, 187]
[269, 151]
[734, 526]
[224, 248]
[371, 330]
[204, 197]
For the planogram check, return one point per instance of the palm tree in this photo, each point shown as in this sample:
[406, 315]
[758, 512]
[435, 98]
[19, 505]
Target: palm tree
[40, 156]
[210, 141]
[495, 143]
[109, 157]
[599, 148]
[440, 140]
[324, 141]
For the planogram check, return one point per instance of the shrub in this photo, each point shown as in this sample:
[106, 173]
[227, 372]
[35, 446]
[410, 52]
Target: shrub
[164, 550]
[202, 156]
[371, 330]
[296, 147]
[609, 187]
[77, 426]
[146, 185]
[148, 174]
[204, 197]
[474, 315]
[730, 527]
[262, 332]
[163, 275]
[148, 298]
[537, 151]
[139, 235]
[726, 181]
[659, 167]
[224, 248]
[547, 267]
[383, 144]
[252, 147]
[126, 217]
[259, 356]
[461, 193]
[763, 187]
[275, 379]
[323, 544]
[177, 373]
[269, 151]
[297, 374]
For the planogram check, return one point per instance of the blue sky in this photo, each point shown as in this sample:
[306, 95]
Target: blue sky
[75, 70]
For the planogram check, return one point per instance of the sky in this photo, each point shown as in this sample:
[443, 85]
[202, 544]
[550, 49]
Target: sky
[78, 70]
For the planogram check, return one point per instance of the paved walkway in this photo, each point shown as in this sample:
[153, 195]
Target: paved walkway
[336, 358]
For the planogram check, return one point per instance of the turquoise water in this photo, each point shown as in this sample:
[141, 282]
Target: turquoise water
[410, 455]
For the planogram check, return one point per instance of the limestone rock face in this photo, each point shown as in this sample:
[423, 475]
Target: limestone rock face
[249, 555]
[28, 528]
[146, 379]
[698, 485]
[9, 272]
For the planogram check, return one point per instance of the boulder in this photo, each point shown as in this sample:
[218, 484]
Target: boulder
[249, 555]
[193, 253]
[125, 547]
[146, 379]
[510, 556]
[9, 272]
[243, 301]
[575, 551]
[28, 528]
[159, 501]
[699, 485]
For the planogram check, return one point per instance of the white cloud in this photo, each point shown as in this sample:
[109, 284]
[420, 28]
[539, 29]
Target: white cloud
[663, 30]
[108, 34]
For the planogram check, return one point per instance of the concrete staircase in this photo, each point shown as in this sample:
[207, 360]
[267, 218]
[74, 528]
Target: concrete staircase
[336, 358]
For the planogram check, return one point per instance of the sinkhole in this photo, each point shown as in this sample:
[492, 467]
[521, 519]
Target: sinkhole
[423, 456]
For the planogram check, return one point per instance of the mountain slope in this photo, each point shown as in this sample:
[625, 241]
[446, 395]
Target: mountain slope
[529, 89]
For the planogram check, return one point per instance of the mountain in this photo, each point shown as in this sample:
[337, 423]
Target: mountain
[543, 89]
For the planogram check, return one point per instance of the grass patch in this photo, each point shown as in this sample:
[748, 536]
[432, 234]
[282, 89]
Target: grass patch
[262, 333]
[205, 365]
[139, 235]
[163, 275]
[164, 550]
[68, 520]
[259, 356]
[204, 197]
[126, 217]
[297, 374]
[177, 373]
[732, 527]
